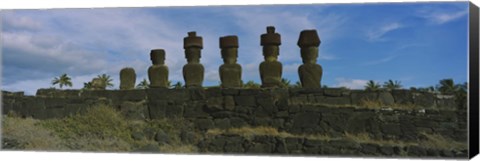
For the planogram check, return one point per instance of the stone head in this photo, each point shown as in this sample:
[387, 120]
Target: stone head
[309, 54]
[229, 49]
[271, 52]
[309, 41]
[193, 54]
[157, 56]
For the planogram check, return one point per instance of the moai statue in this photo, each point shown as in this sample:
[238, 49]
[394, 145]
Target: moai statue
[271, 69]
[193, 71]
[98, 84]
[127, 78]
[158, 72]
[310, 72]
[230, 71]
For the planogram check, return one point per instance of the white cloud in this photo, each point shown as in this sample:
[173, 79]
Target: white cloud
[351, 83]
[378, 33]
[90, 42]
[28, 86]
[442, 16]
[447, 17]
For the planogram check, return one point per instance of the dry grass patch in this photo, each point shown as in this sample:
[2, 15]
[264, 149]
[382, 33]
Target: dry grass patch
[178, 149]
[375, 104]
[29, 134]
[438, 141]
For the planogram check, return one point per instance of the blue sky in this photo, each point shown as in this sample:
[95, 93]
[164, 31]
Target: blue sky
[415, 43]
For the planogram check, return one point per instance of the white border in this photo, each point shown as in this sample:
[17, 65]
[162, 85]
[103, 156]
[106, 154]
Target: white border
[74, 156]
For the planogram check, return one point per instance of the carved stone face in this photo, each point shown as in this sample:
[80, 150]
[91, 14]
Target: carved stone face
[309, 54]
[270, 53]
[229, 55]
[158, 60]
[193, 55]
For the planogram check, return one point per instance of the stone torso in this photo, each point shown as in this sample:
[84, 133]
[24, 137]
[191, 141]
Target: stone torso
[193, 74]
[158, 76]
[310, 75]
[271, 73]
[231, 75]
[127, 78]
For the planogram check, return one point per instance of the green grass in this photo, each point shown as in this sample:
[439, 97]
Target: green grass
[100, 129]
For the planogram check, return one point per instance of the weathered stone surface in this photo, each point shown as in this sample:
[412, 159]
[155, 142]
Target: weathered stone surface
[333, 92]
[229, 103]
[193, 71]
[358, 97]
[424, 99]
[306, 120]
[214, 104]
[245, 101]
[222, 123]
[333, 100]
[310, 72]
[204, 124]
[230, 71]
[402, 96]
[158, 72]
[180, 95]
[174, 111]
[195, 110]
[271, 69]
[157, 109]
[370, 148]
[98, 84]
[51, 93]
[238, 122]
[127, 78]
[386, 98]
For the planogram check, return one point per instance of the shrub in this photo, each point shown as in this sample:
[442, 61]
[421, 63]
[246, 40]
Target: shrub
[26, 134]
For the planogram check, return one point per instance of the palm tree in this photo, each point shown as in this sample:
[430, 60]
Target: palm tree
[391, 85]
[177, 85]
[143, 84]
[285, 83]
[447, 86]
[87, 85]
[251, 85]
[297, 84]
[372, 86]
[63, 80]
[106, 79]
[430, 89]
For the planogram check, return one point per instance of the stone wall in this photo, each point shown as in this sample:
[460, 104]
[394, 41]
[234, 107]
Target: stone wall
[403, 114]
[237, 144]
